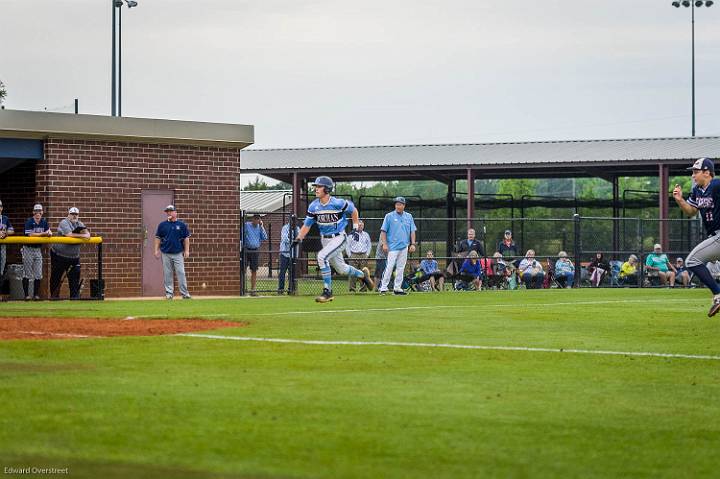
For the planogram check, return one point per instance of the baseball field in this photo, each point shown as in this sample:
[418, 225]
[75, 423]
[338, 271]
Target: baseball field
[551, 383]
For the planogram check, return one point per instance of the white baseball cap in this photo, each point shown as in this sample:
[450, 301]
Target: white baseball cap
[74, 210]
[657, 246]
[37, 207]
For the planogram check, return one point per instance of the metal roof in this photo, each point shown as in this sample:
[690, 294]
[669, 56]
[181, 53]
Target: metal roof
[567, 158]
[41, 125]
[265, 201]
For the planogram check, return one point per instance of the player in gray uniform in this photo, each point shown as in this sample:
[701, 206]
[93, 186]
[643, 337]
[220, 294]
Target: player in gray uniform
[705, 198]
[32, 253]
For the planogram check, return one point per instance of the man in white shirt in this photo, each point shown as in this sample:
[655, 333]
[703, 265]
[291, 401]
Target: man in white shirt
[357, 250]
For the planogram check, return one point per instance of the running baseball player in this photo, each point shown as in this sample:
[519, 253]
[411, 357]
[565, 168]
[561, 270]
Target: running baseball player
[331, 214]
[705, 198]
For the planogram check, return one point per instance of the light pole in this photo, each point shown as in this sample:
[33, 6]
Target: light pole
[116, 81]
[692, 4]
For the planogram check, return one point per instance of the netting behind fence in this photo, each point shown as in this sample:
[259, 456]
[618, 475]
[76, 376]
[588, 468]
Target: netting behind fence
[278, 270]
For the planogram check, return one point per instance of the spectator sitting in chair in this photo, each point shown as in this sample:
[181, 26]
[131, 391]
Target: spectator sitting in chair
[531, 271]
[470, 273]
[564, 270]
[628, 271]
[658, 262]
[431, 272]
[681, 272]
[598, 268]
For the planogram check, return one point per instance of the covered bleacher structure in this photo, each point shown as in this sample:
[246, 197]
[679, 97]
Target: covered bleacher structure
[606, 159]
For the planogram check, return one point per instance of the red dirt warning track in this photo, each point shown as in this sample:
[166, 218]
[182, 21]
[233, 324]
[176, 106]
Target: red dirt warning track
[79, 328]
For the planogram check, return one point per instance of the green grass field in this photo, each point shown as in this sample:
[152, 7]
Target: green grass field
[179, 406]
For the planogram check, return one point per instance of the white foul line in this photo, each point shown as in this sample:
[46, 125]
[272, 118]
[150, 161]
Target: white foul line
[453, 346]
[315, 311]
[469, 306]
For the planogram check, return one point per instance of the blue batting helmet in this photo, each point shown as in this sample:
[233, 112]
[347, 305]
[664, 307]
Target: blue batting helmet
[325, 181]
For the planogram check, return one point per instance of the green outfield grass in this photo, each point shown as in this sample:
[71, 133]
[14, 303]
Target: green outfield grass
[178, 406]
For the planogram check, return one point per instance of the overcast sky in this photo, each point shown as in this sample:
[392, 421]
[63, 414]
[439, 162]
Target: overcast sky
[335, 73]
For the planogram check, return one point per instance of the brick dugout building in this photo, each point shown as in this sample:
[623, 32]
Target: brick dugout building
[121, 173]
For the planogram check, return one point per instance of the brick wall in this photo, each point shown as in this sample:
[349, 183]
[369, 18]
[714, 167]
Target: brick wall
[105, 180]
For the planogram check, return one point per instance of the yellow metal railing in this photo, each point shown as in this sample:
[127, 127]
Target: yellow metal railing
[94, 240]
[50, 240]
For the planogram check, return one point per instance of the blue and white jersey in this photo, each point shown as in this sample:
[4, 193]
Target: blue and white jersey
[330, 217]
[708, 202]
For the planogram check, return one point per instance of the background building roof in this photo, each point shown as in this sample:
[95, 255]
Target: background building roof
[265, 201]
[557, 158]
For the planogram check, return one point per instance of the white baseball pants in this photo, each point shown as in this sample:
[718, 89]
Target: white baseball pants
[395, 260]
[332, 254]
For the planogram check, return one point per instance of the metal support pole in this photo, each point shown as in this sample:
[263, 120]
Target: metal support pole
[113, 97]
[101, 282]
[616, 213]
[77, 106]
[693, 66]
[242, 253]
[450, 212]
[664, 230]
[292, 279]
[119, 80]
[297, 191]
[577, 246]
[470, 197]
[641, 237]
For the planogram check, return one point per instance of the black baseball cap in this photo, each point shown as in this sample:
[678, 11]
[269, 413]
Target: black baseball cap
[703, 164]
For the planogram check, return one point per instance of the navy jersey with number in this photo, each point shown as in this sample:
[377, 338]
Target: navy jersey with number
[707, 201]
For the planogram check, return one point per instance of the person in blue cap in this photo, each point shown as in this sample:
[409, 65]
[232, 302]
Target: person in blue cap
[331, 215]
[704, 198]
[397, 235]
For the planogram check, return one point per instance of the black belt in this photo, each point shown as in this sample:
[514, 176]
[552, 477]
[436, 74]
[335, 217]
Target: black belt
[333, 235]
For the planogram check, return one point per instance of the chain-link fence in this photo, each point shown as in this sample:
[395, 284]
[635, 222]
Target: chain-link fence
[270, 265]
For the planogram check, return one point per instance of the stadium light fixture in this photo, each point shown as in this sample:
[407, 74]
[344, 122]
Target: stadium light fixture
[116, 82]
[696, 3]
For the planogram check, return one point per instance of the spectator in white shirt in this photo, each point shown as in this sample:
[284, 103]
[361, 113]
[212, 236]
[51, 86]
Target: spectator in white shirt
[531, 271]
[357, 250]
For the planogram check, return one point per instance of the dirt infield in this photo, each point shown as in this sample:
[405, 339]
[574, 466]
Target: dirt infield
[79, 328]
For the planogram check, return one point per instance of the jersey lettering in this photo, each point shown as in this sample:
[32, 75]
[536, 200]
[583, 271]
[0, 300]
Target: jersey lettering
[331, 217]
[707, 201]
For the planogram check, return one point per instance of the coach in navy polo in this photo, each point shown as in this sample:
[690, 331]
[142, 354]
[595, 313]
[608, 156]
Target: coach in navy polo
[172, 243]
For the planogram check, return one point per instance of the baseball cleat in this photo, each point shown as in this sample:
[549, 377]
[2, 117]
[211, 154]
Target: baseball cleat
[367, 279]
[399, 293]
[325, 297]
[715, 306]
